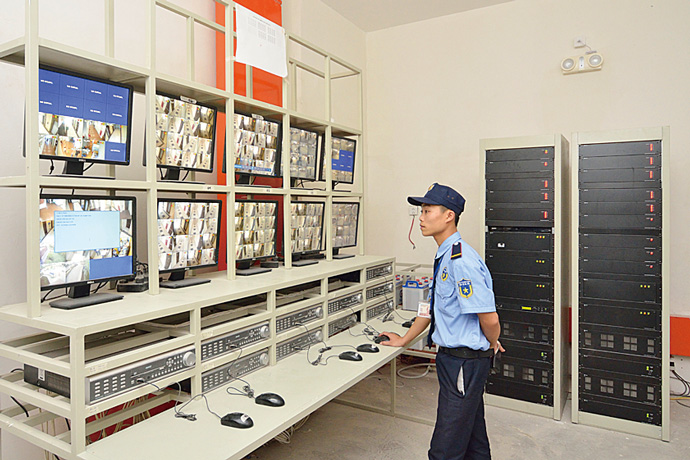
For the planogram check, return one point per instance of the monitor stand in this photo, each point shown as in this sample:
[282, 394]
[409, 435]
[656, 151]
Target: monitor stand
[173, 175]
[299, 261]
[341, 256]
[177, 280]
[74, 169]
[245, 268]
[80, 296]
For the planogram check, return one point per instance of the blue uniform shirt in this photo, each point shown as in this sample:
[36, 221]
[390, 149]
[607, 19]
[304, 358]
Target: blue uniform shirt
[462, 288]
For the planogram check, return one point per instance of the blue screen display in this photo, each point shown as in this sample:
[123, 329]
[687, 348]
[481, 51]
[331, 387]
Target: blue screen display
[82, 118]
[85, 239]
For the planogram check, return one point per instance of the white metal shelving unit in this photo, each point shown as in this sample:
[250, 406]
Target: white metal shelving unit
[77, 331]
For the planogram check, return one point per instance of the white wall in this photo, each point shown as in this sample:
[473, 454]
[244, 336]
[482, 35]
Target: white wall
[439, 86]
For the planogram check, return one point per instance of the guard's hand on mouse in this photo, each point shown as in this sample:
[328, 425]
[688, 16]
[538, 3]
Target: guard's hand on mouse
[395, 340]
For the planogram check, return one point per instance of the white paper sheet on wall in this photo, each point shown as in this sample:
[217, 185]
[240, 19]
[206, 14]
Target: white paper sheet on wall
[260, 42]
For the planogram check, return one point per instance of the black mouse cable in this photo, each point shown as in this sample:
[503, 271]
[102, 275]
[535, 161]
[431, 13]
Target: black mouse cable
[178, 410]
[245, 391]
[324, 349]
[369, 331]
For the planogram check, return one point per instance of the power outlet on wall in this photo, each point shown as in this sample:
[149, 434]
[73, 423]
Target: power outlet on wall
[412, 210]
[680, 364]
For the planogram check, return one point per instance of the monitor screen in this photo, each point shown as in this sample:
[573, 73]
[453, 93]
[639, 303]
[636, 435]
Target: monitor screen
[345, 217]
[303, 154]
[86, 239]
[83, 119]
[257, 146]
[188, 233]
[306, 226]
[185, 134]
[255, 229]
[342, 160]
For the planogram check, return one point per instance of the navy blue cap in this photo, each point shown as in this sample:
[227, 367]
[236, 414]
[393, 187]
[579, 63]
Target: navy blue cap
[442, 195]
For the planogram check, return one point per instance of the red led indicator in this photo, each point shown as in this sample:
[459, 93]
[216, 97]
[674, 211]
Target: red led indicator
[651, 147]
[651, 160]
[546, 215]
[545, 152]
[546, 183]
[651, 194]
[651, 208]
[546, 196]
[651, 174]
[546, 163]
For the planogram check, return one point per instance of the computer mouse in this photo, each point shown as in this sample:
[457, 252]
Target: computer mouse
[381, 338]
[368, 348]
[270, 399]
[237, 420]
[350, 356]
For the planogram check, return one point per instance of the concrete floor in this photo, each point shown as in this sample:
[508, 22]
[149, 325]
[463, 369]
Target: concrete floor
[339, 432]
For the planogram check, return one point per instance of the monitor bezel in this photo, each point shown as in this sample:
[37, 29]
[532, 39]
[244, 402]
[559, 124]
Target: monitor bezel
[323, 218]
[130, 110]
[213, 138]
[133, 200]
[356, 224]
[278, 170]
[220, 224]
[322, 167]
[319, 154]
[251, 260]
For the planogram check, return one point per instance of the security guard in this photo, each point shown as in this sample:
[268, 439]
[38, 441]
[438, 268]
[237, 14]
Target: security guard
[464, 324]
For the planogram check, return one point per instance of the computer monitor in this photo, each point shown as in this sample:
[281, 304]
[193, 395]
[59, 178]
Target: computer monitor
[304, 148]
[86, 240]
[188, 235]
[306, 226]
[83, 120]
[344, 222]
[342, 160]
[256, 225]
[185, 136]
[257, 147]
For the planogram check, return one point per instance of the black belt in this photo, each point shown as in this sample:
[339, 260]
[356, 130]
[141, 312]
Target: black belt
[467, 353]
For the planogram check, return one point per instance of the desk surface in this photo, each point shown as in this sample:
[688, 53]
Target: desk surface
[304, 387]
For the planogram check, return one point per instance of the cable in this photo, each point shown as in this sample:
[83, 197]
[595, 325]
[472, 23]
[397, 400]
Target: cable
[409, 235]
[424, 374]
[185, 176]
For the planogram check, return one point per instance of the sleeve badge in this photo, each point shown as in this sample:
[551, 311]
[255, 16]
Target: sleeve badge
[465, 288]
[444, 274]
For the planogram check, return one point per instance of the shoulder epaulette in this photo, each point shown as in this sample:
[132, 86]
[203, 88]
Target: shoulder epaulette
[457, 250]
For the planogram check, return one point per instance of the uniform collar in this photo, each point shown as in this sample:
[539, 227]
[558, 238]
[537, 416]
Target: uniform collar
[447, 244]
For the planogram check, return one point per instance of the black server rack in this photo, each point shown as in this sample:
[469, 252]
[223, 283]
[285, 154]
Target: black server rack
[619, 370]
[520, 251]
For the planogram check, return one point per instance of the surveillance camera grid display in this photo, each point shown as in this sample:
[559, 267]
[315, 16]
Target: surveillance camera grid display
[255, 229]
[82, 118]
[256, 145]
[306, 226]
[303, 159]
[85, 239]
[188, 233]
[342, 160]
[185, 134]
[344, 224]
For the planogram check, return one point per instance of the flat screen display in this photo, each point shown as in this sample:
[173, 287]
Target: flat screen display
[82, 118]
[257, 146]
[306, 224]
[86, 239]
[303, 154]
[185, 134]
[342, 160]
[255, 229]
[344, 217]
[188, 233]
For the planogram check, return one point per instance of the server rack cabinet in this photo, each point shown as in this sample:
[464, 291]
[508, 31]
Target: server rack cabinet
[620, 216]
[525, 223]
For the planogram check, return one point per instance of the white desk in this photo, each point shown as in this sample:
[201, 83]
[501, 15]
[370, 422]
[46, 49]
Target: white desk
[304, 387]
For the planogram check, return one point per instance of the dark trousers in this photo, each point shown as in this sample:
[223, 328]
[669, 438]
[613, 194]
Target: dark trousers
[460, 431]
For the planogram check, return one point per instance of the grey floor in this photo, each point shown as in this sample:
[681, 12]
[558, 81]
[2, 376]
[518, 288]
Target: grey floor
[341, 432]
